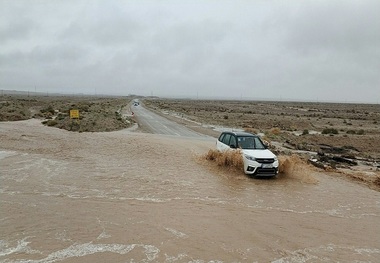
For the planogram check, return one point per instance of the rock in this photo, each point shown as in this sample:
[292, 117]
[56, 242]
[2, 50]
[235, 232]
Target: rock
[316, 163]
[344, 160]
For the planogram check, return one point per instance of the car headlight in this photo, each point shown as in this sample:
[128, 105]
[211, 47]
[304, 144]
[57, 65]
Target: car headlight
[275, 159]
[250, 157]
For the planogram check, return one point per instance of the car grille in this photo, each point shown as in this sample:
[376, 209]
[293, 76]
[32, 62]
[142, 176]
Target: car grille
[266, 171]
[265, 160]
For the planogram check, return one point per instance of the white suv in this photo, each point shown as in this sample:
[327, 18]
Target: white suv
[258, 160]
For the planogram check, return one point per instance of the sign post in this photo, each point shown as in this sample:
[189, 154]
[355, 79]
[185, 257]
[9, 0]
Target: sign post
[74, 114]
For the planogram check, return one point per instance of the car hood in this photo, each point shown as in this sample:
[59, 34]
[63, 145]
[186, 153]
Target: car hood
[259, 153]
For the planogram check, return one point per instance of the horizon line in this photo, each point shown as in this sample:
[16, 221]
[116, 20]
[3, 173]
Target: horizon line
[218, 98]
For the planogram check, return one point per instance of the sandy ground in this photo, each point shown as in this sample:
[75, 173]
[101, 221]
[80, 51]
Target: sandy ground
[133, 197]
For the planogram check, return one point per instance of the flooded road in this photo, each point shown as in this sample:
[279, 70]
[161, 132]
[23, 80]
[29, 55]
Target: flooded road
[130, 197]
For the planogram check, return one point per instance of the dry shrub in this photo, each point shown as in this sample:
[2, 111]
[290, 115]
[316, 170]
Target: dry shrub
[250, 130]
[377, 181]
[231, 159]
[294, 167]
[275, 131]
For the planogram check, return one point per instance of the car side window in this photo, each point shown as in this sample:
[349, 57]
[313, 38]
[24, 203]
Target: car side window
[233, 141]
[221, 137]
[259, 144]
[226, 139]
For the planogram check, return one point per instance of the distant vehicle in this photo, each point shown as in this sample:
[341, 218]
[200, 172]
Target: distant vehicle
[136, 102]
[258, 160]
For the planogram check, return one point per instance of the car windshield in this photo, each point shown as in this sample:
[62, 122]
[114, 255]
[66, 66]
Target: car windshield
[250, 142]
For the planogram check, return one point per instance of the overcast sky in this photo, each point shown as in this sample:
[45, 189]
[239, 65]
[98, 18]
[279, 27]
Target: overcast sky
[289, 50]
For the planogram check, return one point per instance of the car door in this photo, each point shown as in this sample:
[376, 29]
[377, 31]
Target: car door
[222, 144]
[233, 142]
[219, 143]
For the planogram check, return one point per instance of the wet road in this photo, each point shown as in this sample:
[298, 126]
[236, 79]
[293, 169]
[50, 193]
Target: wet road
[157, 124]
[133, 197]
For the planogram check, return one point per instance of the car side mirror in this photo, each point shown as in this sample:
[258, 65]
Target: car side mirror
[233, 146]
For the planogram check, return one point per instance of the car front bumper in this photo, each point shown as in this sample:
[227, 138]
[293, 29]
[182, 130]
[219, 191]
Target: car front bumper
[260, 169]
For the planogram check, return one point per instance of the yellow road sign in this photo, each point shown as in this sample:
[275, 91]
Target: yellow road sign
[74, 114]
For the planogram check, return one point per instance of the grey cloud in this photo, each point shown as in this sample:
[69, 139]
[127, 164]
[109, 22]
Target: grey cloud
[57, 54]
[335, 26]
[258, 49]
[16, 30]
[103, 32]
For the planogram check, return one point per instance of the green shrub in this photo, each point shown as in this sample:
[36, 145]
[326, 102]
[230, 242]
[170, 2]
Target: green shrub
[305, 132]
[74, 126]
[330, 131]
[49, 109]
[61, 116]
[83, 107]
[360, 132]
[51, 123]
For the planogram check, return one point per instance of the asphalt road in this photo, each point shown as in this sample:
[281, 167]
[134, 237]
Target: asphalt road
[154, 123]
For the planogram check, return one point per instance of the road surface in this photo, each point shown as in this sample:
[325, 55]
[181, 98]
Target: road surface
[154, 123]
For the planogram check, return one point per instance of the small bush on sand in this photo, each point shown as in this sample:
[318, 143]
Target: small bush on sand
[360, 132]
[48, 109]
[61, 116]
[51, 123]
[250, 130]
[231, 159]
[275, 131]
[330, 131]
[74, 126]
[377, 181]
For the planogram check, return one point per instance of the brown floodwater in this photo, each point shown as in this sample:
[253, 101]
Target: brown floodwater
[135, 197]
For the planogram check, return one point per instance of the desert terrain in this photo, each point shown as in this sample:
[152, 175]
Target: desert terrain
[335, 137]
[125, 195]
[95, 113]
[355, 126]
[338, 137]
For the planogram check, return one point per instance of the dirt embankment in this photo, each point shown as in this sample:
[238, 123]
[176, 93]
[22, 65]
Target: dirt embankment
[95, 114]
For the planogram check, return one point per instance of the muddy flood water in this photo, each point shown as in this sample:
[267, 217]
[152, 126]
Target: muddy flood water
[133, 197]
